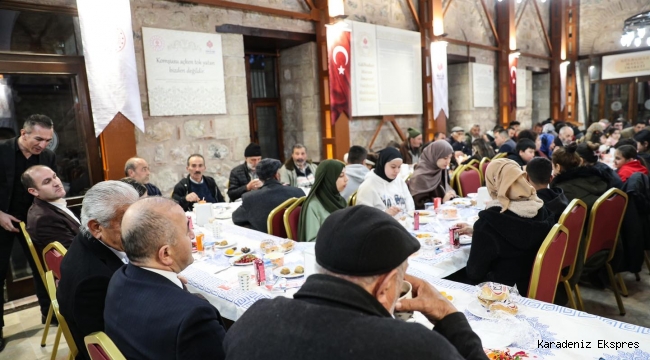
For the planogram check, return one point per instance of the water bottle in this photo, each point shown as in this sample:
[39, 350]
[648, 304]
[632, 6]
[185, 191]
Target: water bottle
[269, 277]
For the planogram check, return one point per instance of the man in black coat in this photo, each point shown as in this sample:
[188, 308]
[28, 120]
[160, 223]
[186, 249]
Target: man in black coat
[345, 311]
[149, 314]
[257, 205]
[523, 152]
[539, 173]
[95, 254]
[243, 178]
[138, 169]
[196, 186]
[16, 156]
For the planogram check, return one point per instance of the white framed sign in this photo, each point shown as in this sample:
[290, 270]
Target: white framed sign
[626, 65]
[482, 79]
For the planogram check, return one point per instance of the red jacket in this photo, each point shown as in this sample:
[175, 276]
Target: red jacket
[630, 168]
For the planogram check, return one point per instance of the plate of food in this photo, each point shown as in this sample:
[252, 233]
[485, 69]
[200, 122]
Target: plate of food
[423, 235]
[494, 301]
[507, 354]
[233, 251]
[460, 202]
[289, 271]
[448, 214]
[243, 260]
[222, 244]
[269, 245]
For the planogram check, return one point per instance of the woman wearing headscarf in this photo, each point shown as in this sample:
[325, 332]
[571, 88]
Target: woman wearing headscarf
[510, 230]
[324, 198]
[430, 179]
[547, 144]
[382, 188]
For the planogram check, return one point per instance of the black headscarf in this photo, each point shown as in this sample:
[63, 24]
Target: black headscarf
[385, 156]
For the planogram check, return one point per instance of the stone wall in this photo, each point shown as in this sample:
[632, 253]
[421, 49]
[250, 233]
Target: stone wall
[601, 23]
[524, 114]
[542, 102]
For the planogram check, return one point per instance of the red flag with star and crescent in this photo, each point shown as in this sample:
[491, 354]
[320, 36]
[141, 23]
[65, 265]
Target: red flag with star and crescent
[339, 60]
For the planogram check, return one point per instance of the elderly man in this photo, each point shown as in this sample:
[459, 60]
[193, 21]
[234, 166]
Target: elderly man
[49, 218]
[474, 134]
[457, 140]
[633, 130]
[149, 314]
[243, 177]
[346, 311]
[95, 254]
[566, 135]
[355, 170]
[503, 142]
[137, 169]
[256, 206]
[196, 186]
[16, 156]
[298, 171]
[411, 147]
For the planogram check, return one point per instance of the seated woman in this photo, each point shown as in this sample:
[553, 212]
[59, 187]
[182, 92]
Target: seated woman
[547, 144]
[324, 198]
[382, 189]
[613, 136]
[588, 152]
[510, 230]
[480, 149]
[628, 162]
[578, 182]
[430, 179]
[643, 145]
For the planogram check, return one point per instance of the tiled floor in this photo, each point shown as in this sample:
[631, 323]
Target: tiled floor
[23, 329]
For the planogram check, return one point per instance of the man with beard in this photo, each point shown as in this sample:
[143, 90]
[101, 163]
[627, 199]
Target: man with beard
[411, 147]
[196, 186]
[243, 177]
[298, 171]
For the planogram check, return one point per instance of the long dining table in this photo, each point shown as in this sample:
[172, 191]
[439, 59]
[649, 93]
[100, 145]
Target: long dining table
[541, 330]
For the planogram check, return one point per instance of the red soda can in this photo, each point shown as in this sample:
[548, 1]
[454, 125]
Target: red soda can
[260, 276]
[454, 237]
[436, 202]
[416, 220]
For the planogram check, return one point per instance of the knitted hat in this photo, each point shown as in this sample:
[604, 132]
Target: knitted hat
[363, 241]
[413, 133]
[252, 150]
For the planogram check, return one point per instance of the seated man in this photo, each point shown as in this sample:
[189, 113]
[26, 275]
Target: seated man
[95, 254]
[149, 314]
[346, 310]
[457, 140]
[356, 170]
[298, 171]
[49, 218]
[524, 152]
[503, 142]
[243, 177]
[539, 173]
[196, 187]
[257, 205]
[411, 148]
[138, 169]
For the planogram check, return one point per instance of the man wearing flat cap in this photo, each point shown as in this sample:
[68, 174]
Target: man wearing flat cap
[257, 205]
[410, 148]
[243, 178]
[457, 140]
[346, 310]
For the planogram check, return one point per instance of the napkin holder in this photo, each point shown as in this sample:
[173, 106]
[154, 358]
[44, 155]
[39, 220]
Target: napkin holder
[203, 213]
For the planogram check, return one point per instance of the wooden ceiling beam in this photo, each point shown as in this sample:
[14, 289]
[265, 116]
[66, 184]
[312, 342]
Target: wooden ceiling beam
[255, 8]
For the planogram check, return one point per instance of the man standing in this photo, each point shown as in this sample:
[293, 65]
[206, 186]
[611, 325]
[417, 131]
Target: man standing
[257, 205]
[356, 170]
[243, 177]
[196, 187]
[149, 314]
[137, 169]
[503, 142]
[49, 218]
[95, 254]
[16, 156]
[346, 309]
[410, 148]
[298, 171]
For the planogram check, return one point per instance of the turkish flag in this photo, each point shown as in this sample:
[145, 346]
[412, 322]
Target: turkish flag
[338, 57]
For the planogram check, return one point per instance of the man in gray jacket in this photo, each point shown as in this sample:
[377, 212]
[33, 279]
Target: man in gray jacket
[356, 170]
[298, 171]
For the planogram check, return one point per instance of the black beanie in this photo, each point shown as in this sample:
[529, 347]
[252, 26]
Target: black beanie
[363, 241]
[252, 150]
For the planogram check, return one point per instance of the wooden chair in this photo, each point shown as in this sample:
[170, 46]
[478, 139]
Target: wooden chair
[605, 222]
[274, 223]
[548, 265]
[52, 257]
[101, 347]
[482, 166]
[63, 325]
[468, 180]
[41, 273]
[291, 217]
[499, 156]
[574, 218]
[353, 198]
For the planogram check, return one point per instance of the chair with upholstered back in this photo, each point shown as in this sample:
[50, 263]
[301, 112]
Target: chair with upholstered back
[605, 222]
[275, 221]
[574, 218]
[353, 198]
[499, 156]
[468, 180]
[474, 163]
[101, 347]
[482, 166]
[63, 325]
[53, 256]
[548, 264]
[292, 217]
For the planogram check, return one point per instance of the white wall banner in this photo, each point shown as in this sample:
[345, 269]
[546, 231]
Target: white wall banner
[482, 79]
[521, 88]
[439, 78]
[626, 65]
[110, 61]
[365, 84]
[563, 72]
[184, 72]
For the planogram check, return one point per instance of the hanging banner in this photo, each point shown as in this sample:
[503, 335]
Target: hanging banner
[110, 61]
[563, 70]
[512, 65]
[338, 57]
[440, 82]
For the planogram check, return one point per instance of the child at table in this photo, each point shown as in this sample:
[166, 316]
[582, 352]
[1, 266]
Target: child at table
[628, 162]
